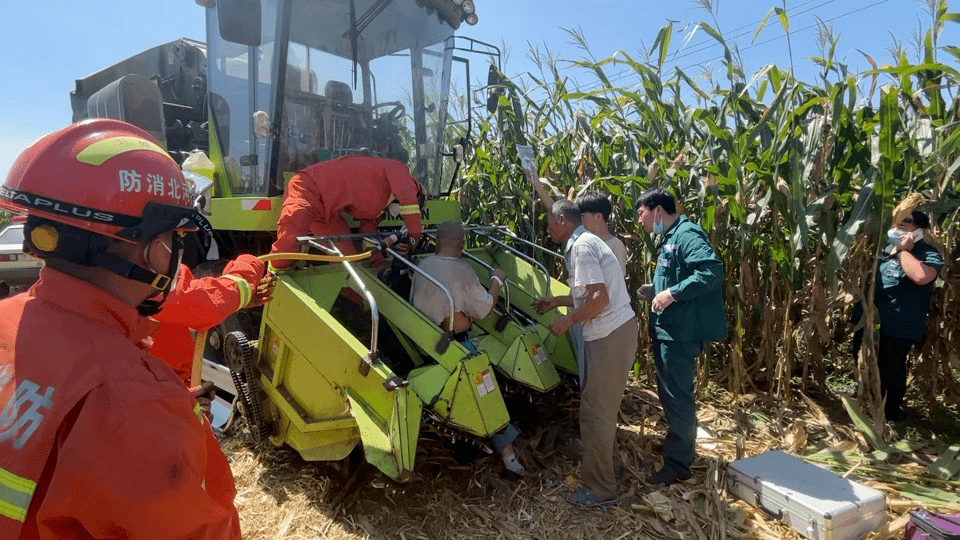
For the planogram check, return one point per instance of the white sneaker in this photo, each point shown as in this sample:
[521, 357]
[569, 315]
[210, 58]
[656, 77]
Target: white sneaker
[512, 465]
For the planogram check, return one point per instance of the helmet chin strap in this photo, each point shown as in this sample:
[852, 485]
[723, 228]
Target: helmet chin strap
[152, 306]
[163, 283]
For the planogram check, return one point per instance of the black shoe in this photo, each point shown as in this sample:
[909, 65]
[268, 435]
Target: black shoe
[667, 477]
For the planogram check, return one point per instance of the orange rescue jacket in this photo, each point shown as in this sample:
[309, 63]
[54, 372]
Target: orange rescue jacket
[197, 305]
[361, 186]
[98, 439]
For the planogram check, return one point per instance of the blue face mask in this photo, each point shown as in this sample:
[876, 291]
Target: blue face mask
[658, 226]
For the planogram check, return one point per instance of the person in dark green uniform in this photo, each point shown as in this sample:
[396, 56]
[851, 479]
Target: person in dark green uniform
[686, 305]
[906, 272]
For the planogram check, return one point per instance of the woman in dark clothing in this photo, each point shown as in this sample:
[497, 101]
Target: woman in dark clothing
[905, 276]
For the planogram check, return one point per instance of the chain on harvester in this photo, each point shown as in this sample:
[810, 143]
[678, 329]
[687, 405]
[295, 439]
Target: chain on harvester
[432, 422]
[239, 356]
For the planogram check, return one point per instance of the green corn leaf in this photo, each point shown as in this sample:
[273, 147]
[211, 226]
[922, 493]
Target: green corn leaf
[784, 19]
[853, 226]
[662, 43]
[763, 24]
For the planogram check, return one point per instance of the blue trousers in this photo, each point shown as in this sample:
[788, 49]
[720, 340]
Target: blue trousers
[576, 340]
[676, 363]
[504, 437]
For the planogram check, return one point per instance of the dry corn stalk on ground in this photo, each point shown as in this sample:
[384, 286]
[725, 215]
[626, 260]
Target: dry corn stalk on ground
[460, 492]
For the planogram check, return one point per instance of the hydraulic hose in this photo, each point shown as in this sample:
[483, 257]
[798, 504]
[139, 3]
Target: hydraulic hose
[315, 257]
[384, 244]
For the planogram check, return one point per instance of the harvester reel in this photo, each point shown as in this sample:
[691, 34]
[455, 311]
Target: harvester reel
[238, 354]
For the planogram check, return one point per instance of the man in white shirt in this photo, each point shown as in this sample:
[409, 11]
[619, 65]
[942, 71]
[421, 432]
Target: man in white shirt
[600, 302]
[471, 301]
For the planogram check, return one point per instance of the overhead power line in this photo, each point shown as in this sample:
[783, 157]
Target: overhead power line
[627, 72]
[804, 29]
[709, 43]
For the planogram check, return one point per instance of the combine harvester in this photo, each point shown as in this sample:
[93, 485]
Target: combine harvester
[280, 85]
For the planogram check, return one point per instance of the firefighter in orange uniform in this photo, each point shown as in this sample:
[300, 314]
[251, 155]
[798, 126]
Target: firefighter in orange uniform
[363, 187]
[198, 304]
[98, 439]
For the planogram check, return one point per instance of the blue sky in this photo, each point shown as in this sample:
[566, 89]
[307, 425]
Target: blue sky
[52, 43]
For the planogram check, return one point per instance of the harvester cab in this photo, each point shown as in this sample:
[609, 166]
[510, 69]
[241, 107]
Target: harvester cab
[281, 85]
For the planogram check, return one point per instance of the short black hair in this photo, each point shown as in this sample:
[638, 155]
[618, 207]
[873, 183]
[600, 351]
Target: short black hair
[594, 202]
[566, 208]
[920, 219]
[659, 197]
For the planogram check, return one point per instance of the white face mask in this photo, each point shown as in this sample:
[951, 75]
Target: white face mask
[658, 225]
[176, 272]
[394, 209]
[894, 235]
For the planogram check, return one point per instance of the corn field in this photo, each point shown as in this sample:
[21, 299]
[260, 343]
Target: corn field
[795, 183]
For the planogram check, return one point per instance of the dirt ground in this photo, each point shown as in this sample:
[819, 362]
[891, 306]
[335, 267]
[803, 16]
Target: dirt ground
[460, 491]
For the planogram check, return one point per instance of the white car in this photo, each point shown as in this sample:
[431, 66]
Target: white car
[16, 267]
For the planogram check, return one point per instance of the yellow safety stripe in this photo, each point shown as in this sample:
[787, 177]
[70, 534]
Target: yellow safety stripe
[99, 152]
[15, 495]
[407, 209]
[242, 287]
[197, 411]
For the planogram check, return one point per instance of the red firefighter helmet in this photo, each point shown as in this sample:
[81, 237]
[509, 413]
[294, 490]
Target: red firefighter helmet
[104, 176]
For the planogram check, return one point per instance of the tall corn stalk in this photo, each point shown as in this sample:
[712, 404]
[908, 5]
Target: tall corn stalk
[793, 182]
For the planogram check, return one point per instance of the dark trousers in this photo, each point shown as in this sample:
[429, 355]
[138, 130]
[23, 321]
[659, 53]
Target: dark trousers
[892, 365]
[892, 361]
[676, 363]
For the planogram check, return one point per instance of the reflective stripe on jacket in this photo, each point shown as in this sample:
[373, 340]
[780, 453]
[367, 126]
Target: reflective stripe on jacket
[98, 439]
[198, 304]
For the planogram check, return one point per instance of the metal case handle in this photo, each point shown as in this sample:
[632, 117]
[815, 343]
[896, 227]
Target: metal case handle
[776, 515]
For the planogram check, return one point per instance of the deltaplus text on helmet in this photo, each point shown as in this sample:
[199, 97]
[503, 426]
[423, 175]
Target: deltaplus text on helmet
[104, 176]
[59, 207]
